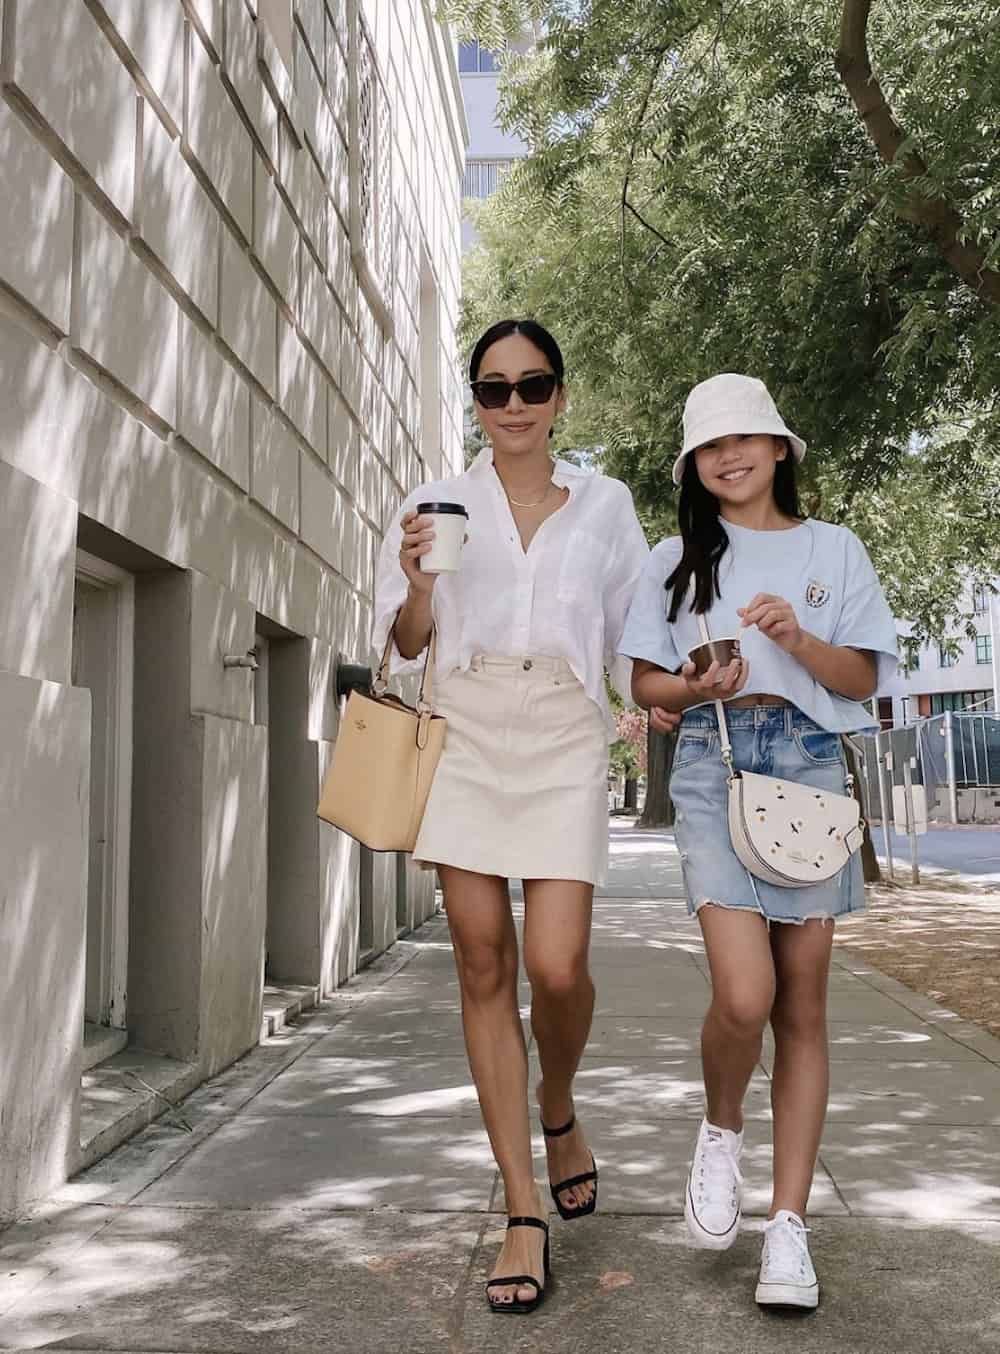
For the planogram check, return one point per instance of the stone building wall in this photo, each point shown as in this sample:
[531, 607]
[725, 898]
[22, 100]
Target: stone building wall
[217, 382]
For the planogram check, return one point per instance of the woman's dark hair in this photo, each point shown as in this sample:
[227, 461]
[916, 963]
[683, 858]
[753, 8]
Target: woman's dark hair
[532, 331]
[705, 538]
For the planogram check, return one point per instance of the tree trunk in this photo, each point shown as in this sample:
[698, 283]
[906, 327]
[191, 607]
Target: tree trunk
[631, 795]
[658, 810]
[869, 861]
[923, 207]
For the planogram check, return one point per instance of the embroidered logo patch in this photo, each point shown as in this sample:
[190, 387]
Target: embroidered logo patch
[817, 594]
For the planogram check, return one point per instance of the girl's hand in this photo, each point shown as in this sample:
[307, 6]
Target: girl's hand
[418, 537]
[775, 618]
[663, 721]
[718, 683]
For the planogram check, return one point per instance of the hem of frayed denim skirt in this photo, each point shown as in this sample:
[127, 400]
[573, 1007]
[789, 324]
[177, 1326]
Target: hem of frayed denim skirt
[831, 917]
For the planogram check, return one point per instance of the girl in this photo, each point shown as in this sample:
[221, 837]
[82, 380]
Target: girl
[524, 630]
[816, 639]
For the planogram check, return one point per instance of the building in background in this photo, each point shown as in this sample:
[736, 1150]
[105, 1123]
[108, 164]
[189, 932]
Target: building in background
[934, 681]
[491, 151]
[229, 286]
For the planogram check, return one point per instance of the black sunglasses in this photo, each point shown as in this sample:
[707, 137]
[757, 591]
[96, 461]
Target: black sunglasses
[531, 389]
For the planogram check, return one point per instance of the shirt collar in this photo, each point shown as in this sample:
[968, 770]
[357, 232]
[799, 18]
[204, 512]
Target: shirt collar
[564, 473]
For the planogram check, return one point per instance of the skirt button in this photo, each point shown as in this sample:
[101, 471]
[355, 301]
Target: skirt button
[527, 665]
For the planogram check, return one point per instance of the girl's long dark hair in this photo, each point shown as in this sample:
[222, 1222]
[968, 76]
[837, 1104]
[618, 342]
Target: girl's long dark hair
[704, 536]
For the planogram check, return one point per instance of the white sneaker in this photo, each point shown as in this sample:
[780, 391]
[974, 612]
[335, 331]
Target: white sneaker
[787, 1277]
[714, 1188]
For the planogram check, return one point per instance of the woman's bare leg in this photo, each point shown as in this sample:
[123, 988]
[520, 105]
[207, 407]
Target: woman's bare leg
[485, 945]
[556, 947]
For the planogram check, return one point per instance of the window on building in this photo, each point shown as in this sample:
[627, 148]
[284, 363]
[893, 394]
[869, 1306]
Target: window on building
[909, 654]
[945, 659]
[475, 59]
[960, 700]
[984, 648]
[483, 177]
[980, 599]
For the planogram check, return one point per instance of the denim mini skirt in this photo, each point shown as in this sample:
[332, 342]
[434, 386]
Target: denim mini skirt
[771, 740]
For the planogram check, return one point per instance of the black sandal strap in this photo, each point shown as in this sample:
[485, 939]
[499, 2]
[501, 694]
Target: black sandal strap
[583, 1179]
[514, 1281]
[558, 1132]
[528, 1222]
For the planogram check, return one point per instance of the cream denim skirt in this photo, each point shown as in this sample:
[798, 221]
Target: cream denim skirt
[521, 789]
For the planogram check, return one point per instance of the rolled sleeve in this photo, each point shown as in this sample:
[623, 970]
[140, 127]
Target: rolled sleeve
[391, 587]
[630, 560]
[648, 634]
[865, 621]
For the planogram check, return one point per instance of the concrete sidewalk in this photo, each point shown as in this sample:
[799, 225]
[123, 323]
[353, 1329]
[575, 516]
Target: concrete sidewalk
[335, 1188]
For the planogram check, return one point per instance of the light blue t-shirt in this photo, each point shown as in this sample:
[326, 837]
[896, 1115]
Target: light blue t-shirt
[821, 569]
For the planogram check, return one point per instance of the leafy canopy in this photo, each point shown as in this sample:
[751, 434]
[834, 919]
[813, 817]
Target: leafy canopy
[703, 195]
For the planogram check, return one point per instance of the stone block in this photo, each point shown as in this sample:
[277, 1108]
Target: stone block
[302, 389]
[275, 236]
[340, 264]
[323, 512]
[123, 317]
[45, 789]
[36, 222]
[206, 15]
[213, 405]
[169, 194]
[352, 374]
[150, 40]
[247, 314]
[215, 138]
[37, 546]
[344, 443]
[64, 65]
[336, 65]
[234, 885]
[319, 315]
[306, 190]
[311, 15]
[221, 623]
[338, 176]
[242, 71]
[274, 479]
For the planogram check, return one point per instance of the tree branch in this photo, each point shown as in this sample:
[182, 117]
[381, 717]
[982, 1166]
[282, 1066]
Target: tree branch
[934, 213]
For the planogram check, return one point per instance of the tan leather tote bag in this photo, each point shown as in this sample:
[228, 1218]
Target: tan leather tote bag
[384, 761]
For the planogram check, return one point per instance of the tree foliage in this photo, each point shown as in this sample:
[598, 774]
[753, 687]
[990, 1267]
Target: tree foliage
[712, 188]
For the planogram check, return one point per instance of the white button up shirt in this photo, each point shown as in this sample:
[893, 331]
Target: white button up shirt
[566, 596]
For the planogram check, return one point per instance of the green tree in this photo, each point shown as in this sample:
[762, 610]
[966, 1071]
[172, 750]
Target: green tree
[803, 191]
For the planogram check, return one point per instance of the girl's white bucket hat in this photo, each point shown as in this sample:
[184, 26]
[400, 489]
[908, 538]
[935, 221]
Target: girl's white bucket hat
[730, 404]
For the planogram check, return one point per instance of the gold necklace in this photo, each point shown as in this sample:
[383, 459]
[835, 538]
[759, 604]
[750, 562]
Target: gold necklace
[515, 502]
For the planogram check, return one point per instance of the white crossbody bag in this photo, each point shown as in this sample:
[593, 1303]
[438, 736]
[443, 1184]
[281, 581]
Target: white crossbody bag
[784, 832]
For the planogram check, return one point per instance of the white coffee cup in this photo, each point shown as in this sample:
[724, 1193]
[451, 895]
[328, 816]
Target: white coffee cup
[450, 523]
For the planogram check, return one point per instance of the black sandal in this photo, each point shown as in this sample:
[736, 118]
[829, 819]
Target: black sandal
[518, 1307]
[568, 1214]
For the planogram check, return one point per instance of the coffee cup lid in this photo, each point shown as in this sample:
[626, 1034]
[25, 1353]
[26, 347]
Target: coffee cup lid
[457, 509]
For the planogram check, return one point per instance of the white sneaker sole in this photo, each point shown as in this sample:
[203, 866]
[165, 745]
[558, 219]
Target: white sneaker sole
[787, 1295]
[708, 1241]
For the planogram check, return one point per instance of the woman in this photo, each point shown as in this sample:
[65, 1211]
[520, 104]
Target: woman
[524, 630]
[816, 638]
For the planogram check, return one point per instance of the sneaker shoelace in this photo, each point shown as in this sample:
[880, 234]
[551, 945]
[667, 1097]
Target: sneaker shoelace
[719, 1171]
[787, 1250]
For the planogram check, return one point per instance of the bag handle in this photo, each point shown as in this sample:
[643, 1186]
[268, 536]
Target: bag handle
[425, 700]
[720, 709]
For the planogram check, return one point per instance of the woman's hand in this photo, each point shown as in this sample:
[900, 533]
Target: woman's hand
[418, 537]
[718, 683]
[775, 618]
[663, 721]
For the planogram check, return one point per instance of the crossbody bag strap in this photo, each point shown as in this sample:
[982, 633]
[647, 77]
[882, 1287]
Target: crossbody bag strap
[720, 709]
